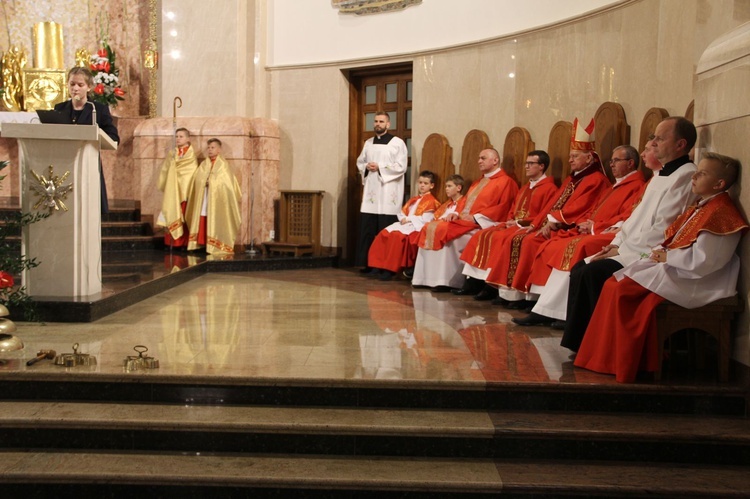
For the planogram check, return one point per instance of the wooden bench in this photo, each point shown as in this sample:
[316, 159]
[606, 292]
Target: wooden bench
[714, 318]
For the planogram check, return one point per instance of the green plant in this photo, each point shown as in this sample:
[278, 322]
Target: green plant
[12, 264]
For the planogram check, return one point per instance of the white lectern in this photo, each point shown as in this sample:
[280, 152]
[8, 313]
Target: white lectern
[67, 244]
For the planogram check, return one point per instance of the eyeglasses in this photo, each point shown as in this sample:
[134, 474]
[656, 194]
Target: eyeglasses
[615, 160]
[529, 163]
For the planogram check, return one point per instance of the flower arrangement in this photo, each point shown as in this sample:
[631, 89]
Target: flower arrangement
[106, 76]
[12, 264]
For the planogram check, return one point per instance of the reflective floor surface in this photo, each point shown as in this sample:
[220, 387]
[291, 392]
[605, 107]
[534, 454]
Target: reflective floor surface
[315, 324]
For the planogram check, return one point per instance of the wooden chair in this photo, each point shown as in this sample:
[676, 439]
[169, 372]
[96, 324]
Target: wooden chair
[690, 111]
[653, 117]
[558, 149]
[611, 130]
[475, 142]
[437, 157]
[299, 224]
[715, 319]
[517, 146]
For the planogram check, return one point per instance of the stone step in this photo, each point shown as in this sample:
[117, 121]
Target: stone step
[126, 228]
[368, 431]
[102, 472]
[127, 243]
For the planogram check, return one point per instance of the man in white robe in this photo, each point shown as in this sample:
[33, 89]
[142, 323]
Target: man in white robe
[382, 165]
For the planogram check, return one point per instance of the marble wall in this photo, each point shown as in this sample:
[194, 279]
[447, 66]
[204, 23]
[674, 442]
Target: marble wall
[642, 54]
[722, 115]
[250, 146]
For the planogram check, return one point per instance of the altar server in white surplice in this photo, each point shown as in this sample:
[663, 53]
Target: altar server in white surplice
[382, 165]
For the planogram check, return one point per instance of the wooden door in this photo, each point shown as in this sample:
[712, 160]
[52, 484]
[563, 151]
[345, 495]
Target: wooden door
[383, 88]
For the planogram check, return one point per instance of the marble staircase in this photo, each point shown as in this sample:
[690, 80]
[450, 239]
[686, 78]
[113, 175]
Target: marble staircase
[272, 438]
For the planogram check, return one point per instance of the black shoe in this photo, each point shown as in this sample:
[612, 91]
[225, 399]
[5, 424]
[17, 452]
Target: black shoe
[386, 275]
[533, 319]
[559, 325]
[487, 293]
[519, 305]
[441, 289]
[373, 273]
[365, 270]
[471, 287]
[500, 301]
[409, 273]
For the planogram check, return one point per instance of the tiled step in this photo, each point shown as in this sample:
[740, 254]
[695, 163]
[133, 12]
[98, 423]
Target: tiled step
[367, 431]
[127, 228]
[341, 477]
[127, 243]
[710, 400]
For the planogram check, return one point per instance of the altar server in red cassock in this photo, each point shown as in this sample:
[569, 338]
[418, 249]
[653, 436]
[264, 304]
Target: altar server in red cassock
[391, 250]
[529, 202]
[574, 199]
[487, 201]
[696, 264]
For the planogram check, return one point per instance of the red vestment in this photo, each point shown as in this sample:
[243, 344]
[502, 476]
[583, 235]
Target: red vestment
[573, 201]
[489, 196]
[396, 250]
[567, 247]
[529, 203]
[621, 338]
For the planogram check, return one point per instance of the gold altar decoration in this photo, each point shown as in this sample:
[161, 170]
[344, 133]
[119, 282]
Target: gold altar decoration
[43, 88]
[153, 80]
[360, 7]
[45, 84]
[83, 56]
[48, 45]
[50, 190]
[151, 59]
[13, 62]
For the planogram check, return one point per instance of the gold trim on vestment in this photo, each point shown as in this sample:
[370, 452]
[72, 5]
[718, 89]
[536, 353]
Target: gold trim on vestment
[570, 249]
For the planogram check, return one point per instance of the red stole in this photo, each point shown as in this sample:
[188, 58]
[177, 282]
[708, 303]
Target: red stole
[718, 215]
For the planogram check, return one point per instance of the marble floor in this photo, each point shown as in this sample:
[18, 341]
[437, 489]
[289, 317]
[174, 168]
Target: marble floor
[313, 324]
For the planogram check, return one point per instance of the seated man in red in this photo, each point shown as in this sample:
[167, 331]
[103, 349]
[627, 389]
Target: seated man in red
[695, 265]
[389, 251]
[575, 198]
[613, 208]
[488, 200]
[551, 270]
[534, 196]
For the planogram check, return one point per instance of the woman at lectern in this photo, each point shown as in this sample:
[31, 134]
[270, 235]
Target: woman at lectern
[79, 110]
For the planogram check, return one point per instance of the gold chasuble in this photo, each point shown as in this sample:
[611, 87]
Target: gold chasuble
[216, 194]
[174, 181]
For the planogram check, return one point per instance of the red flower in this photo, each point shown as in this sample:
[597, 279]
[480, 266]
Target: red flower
[106, 66]
[6, 280]
[102, 53]
[119, 92]
[93, 67]
[99, 89]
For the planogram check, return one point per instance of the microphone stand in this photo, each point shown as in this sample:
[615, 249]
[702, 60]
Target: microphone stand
[252, 251]
[174, 151]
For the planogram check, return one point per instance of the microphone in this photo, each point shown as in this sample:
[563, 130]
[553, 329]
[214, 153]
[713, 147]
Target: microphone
[93, 114]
